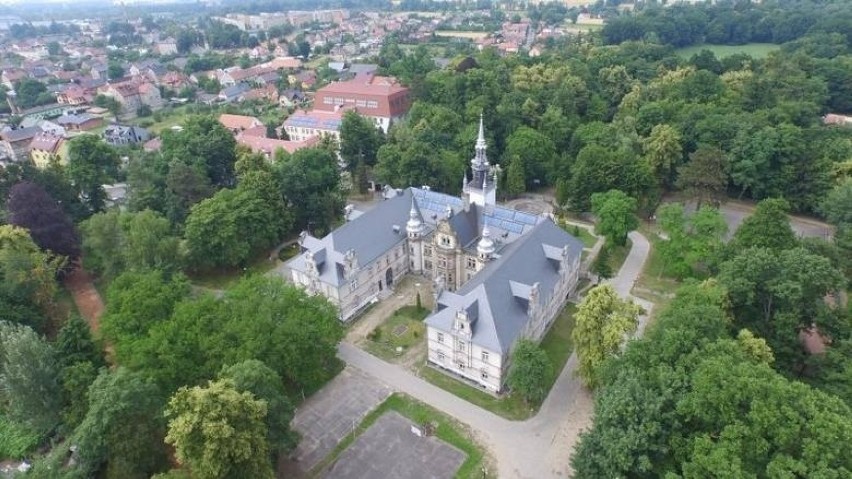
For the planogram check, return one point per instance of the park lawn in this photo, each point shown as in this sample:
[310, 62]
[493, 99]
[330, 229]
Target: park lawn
[556, 344]
[755, 50]
[404, 329]
[617, 255]
[447, 429]
[223, 278]
[580, 233]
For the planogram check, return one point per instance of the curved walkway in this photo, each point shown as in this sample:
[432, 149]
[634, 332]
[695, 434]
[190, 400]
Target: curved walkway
[541, 446]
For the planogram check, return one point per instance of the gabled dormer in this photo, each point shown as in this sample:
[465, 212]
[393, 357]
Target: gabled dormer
[466, 320]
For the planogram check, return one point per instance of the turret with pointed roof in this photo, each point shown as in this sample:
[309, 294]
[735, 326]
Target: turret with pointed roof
[482, 187]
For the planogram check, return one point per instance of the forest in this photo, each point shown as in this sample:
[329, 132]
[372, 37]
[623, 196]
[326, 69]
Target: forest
[614, 123]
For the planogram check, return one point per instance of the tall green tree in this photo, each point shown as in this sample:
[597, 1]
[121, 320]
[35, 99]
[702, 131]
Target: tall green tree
[263, 383]
[663, 152]
[704, 177]
[360, 140]
[29, 379]
[219, 432]
[529, 372]
[603, 321]
[91, 164]
[693, 243]
[536, 152]
[515, 180]
[204, 143]
[615, 215]
[768, 227]
[310, 184]
[121, 435]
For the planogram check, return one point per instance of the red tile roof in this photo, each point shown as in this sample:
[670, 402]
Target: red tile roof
[270, 145]
[370, 95]
[238, 122]
[46, 142]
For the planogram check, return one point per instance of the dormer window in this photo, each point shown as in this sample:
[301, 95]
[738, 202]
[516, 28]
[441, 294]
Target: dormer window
[445, 241]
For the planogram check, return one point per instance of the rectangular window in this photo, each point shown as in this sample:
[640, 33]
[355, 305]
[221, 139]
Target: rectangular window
[484, 356]
[427, 250]
[461, 346]
[326, 100]
[485, 374]
[441, 356]
[441, 338]
[471, 263]
[427, 264]
[442, 262]
[372, 104]
[339, 101]
[361, 103]
[445, 241]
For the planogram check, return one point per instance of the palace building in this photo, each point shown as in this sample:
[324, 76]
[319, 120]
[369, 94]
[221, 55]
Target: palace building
[500, 274]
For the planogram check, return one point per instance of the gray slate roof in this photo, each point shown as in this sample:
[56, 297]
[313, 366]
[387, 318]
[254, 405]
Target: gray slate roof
[499, 294]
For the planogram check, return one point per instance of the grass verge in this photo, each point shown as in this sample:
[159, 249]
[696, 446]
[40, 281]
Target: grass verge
[754, 50]
[556, 344]
[404, 330]
[448, 430]
[223, 278]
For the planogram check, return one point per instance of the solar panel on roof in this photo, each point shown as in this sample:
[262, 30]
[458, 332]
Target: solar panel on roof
[525, 218]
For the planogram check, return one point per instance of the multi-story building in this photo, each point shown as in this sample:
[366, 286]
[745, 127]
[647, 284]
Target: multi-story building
[44, 147]
[500, 274]
[382, 99]
[15, 144]
[302, 124]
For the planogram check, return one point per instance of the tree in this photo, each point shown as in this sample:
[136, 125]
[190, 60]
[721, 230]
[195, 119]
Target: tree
[663, 152]
[144, 111]
[310, 184]
[529, 372]
[536, 152]
[603, 322]
[122, 431]
[704, 177]
[27, 278]
[359, 141]
[203, 143]
[601, 266]
[233, 225]
[693, 243]
[219, 432]
[110, 103]
[778, 294]
[54, 48]
[768, 227]
[114, 241]
[30, 93]
[74, 344]
[91, 164]
[32, 208]
[115, 71]
[614, 211]
[185, 185]
[263, 383]
[515, 183]
[29, 379]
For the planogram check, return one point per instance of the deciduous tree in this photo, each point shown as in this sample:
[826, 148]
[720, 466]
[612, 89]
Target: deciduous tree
[530, 370]
[32, 208]
[219, 432]
[768, 227]
[615, 215]
[91, 164]
[704, 177]
[603, 323]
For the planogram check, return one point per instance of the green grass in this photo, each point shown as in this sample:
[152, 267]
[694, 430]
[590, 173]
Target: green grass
[382, 341]
[223, 278]
[288, 252]
[617, 255]
[581, 234]
[447, 429]
[556, 344]
[755, 50]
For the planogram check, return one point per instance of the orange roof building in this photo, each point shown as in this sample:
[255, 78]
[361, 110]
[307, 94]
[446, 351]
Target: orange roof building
[383, 99]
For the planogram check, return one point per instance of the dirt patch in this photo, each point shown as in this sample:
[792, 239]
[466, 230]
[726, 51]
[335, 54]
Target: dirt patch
[86, 297]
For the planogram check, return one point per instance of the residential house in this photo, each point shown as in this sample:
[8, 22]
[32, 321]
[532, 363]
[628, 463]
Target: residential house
[44, 147]
[84, 122]
[132, 94]
[382, 99]
[500, 275]
[15, 144]
[74, 95]
[302, 124]
[291, 98]
[12, 76]
[268, 146]
[120, 135]
[238, 123]
[167, 47]
[234, 92]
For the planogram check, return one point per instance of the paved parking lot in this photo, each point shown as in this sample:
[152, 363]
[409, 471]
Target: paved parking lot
[390, 449]
[329, 415]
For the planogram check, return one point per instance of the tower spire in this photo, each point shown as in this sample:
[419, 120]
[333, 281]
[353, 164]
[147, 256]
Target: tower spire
[480, 139]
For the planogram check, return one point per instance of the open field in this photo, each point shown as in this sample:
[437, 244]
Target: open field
[461, 34]
[222, 278]
[556, 344]
[393, 338]
[755, 50]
